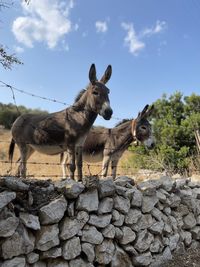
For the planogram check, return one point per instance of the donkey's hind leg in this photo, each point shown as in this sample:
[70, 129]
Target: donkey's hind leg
[105, 165]
[114, 163]
[25, 153]
[71, 162]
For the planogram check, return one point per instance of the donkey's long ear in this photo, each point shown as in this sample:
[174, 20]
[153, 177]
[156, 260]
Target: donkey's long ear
[150, 110]
[143, 113]
[107, 75]
[92, 74]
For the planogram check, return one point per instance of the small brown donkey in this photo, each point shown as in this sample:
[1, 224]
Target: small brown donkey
[108, 145]
[65, 130]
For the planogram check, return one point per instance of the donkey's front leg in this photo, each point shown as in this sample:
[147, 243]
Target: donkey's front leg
[79, 162]
[71, 162]
[114, 163]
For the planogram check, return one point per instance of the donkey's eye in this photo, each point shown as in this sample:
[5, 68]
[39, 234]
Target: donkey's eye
[95, 93]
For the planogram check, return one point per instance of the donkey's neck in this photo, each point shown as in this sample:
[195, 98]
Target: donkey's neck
[123, 135]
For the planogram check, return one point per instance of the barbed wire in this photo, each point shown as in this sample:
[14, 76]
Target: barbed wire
[12, 88]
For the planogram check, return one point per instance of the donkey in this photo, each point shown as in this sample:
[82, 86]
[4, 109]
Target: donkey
[108, 145]
[65, 130]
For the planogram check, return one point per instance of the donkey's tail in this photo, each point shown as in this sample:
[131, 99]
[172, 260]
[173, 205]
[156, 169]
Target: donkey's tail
[11, 150]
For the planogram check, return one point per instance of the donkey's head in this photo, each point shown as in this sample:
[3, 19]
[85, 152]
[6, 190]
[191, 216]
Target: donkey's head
[97, 93]
[141, 129]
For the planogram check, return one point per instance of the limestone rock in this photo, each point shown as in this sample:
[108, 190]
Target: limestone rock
[91, 235]
[30, 221]
[15, 262]
[105, 205]
[122, 204]
[6, 197]
[47, 237]
[144, 259]
[71, 188]
[32, 257]
[109, 231]
[88, 201]
[53, 212]
[88, 249]
[121, 258]
[106, 187]
[105, 252]
[71, 248]
[133, 216]
[51, 253]
[71, 226]
[189, 221]
[128, 235]
[57, 263]
[143, 242]
[8, 224]
[148, 203]
[100, 221]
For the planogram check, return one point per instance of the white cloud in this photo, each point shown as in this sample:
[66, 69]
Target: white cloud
[131, 40]
[101, 26]
[18, 49]
[158, 28]
[136, 42]
[44, 21]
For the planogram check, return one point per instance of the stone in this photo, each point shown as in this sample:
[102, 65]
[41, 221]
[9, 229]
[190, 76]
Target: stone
[30, 221]
[121, 190]
[57, 263]
[144, 222]
[121, 258]
[195, 232]
[143, 242]
[118, 233]
[106, 187]
[157, 227]
[70, 187]
[71, 209]
[105, 251]
[39, 264]
[155, 246]
[8, 225]
[32, 257]
[80, 263]
[88, 249]
[100, 221]
[5, 198]
[88, 201]
[105, 205]
[47, 237]
[173, 200]
[21, 242]
[143, 259]
[91, 235]
[71, 248]
[124, 181]
[130, 249]
[122, 204]
[51, 253]
[161, 196]
[189, 221]
[167, 183]
[148, 203]
[120, 221]
[71, 226]
[136, 199]
[128, 235]
[133, 216]
[15, 262]
[156, 213]
[109, 231]
[186, 237]
[53, 212]
[173, 241]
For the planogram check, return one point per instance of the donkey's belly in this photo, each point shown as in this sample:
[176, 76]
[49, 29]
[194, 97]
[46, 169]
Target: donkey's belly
[96, 157]
[47, 149]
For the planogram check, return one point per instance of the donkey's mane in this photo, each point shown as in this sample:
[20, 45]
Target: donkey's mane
[122, 122]
[77, 98]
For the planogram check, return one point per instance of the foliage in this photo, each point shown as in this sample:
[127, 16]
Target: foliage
[174, 120]
[9, 113]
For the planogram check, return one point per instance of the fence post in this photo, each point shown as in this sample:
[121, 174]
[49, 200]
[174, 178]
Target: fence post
[197, 138]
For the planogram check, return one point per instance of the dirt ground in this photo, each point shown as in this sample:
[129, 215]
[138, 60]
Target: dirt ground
[190, 259]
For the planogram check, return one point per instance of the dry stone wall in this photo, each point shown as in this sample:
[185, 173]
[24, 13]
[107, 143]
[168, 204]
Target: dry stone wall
[98, 223]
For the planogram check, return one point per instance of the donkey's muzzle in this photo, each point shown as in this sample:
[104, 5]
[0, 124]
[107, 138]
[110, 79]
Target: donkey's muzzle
[107, 114]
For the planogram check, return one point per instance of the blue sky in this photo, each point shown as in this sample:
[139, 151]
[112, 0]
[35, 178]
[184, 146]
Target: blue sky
[152, 45]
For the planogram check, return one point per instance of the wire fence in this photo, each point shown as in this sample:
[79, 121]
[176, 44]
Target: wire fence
[87, 170]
